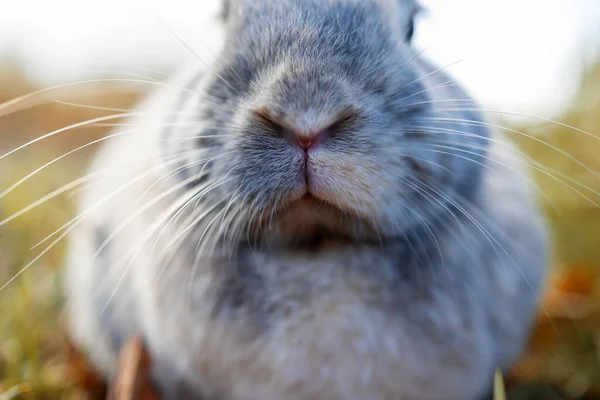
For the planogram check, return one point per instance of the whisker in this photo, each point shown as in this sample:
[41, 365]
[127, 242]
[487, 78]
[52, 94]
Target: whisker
[65, 129]
[37, 97]
[138, 178]
[420, 78]
[139, 247]
[442, 85]
[204, 161]
[31, 174]
[142, 209]
[525, 158]
[479, 123]
[90, 107]
[570, 157]
[195, 221]
[180, 40]
[146, 207]
[489, 237]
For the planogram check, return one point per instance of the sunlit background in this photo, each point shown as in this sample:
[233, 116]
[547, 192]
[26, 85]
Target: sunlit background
[533, 64]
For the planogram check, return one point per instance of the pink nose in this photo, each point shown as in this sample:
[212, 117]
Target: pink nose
[311, 141]
[306, 136]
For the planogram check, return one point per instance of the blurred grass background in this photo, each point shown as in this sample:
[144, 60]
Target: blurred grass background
[563, 360]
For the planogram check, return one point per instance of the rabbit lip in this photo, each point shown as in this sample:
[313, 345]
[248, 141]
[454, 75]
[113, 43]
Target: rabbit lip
[310, 198]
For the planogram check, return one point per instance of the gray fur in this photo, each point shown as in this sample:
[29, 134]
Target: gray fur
[411, 274]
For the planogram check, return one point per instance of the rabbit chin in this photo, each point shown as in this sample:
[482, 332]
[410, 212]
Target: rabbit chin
[311, 223]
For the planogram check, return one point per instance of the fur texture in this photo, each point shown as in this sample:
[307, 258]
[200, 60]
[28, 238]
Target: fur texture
[398, 256]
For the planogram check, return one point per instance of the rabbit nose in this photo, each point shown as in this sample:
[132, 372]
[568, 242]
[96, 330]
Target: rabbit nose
[310, 141]
[301, 132]
[307, 131]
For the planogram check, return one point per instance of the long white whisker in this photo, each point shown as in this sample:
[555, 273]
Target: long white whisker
[31, 174]
[90, 107]
[75, 221]
[67, 128]
[20, 103]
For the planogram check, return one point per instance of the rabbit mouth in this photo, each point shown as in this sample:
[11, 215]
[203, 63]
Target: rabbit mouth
[309, 199]
[310, 204]
[308, 221]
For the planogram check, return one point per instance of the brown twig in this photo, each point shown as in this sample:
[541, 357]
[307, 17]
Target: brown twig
[132, 382]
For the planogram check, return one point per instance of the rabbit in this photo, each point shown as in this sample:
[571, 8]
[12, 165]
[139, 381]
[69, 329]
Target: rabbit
[318, 212]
